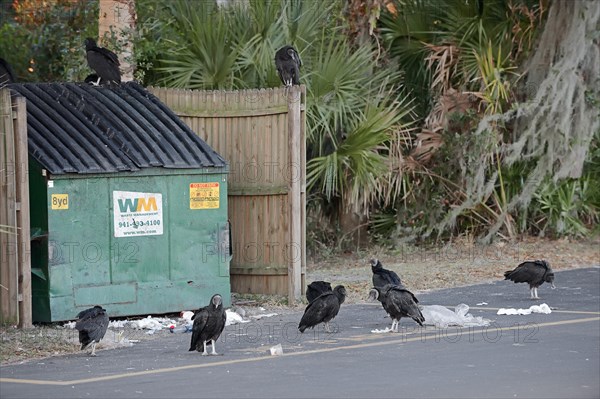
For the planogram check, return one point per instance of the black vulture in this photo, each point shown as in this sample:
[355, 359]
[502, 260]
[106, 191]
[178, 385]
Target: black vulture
[209, 323]
[316, 288]
[6, 74]
[103, 61]
[91, 324]
[323, 309]
[94, 79]
[288, 63]
[381, 276]
[534, 273]
[398, 302]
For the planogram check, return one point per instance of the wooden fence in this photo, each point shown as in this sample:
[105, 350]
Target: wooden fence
[15, 266]
[261, 134]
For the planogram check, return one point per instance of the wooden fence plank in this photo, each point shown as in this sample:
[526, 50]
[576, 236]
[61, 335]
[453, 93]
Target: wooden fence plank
[22, 194]
[251, 130]
[9, 258]
[295, 176]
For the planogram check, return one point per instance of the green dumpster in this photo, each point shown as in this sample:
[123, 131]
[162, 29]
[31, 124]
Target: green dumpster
[128, 205]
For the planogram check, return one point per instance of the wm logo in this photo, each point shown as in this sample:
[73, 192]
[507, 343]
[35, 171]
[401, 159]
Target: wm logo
[137, 204]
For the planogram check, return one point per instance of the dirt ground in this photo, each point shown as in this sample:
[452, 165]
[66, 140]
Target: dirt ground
[421, 269]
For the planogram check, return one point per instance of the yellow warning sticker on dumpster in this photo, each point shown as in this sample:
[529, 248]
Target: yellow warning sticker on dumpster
[60, 201]
[204, 195]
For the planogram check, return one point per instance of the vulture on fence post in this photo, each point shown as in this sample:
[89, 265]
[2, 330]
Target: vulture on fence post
[288, 63]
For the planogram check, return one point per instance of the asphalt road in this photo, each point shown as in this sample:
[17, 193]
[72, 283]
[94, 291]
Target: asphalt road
[553, 355]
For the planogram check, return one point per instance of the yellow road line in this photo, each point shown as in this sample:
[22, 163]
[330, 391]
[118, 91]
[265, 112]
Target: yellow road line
[553, 311]
[264, 358]
[496, 309]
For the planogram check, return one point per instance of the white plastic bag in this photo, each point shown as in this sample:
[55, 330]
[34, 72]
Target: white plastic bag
[442, 317]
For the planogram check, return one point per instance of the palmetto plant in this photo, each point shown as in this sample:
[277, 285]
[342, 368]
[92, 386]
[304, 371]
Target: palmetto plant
[355, 107]
[359, 168]
[463, 52]
[562, 208]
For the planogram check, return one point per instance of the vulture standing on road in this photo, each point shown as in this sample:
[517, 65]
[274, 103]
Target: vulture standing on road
[535, 273]
[91, 324]
[209, 323]
[323, 309]
[6, 74]
[103, 61]
[398, 302]
[381, 276]
[316, 288]
[288, 63]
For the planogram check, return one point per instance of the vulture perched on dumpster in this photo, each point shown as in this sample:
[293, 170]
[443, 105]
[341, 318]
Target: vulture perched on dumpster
[209, 323]
[381, 276]
[91, 324]
[103, 61]
[6, 73]
[533, 272]
[398, 302]
[323, 309]
[316, 288]
[288, 63]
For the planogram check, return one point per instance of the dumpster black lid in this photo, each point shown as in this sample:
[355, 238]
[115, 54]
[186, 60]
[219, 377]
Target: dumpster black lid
[81, 128]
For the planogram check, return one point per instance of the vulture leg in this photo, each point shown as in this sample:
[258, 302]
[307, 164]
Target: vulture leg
[214, 352]
[536, 294]
[327, 329]
[93, 348]
[531, 290]
[97, 82]
[205, 353]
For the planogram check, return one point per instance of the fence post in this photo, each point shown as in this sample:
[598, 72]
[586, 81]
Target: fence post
[23, 233]
[295, 193]
[8, 233]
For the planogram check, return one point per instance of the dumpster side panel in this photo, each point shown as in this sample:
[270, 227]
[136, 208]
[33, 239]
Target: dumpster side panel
[137, 245]
[38, 224]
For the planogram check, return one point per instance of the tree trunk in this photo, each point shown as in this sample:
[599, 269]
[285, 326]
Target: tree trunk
[354, 229]
[119, 17]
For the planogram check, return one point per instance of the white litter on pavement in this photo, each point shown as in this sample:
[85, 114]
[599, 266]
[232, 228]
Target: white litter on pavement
[442, 317]
[234, 318]
[117, 323]
[543, 308]
[151, 323]
[260, 316]
[481, 303]
[276, 350]
[187, 315]
[378, 331]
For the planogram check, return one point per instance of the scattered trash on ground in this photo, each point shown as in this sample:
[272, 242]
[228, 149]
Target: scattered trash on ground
[384, 331]
[442, 317]
[234, 318]
[276, 350]
[543, 308]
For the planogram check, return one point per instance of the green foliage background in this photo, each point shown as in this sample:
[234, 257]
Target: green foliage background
[368, 97]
